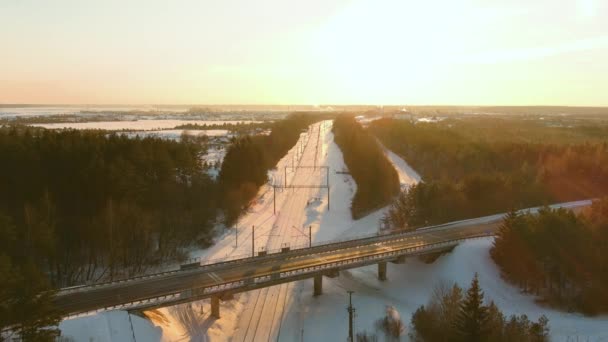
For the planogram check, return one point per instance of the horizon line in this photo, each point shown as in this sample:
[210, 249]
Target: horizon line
[194, 105]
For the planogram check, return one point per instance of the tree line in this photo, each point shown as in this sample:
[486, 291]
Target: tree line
[558, 256]
[376, 178]
[481, 166]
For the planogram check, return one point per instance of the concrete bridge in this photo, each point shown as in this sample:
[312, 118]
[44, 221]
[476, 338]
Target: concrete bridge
[220, 281]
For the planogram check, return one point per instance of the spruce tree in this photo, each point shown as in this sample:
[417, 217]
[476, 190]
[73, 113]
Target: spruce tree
[471, 323]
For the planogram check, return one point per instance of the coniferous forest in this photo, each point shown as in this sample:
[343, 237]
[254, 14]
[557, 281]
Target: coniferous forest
[376, 178]
[480, 167]
[473, 167]
[557, 255]
[80, 206]
[85, 205]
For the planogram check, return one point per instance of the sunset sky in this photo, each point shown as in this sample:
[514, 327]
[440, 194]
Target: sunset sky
[461, 52]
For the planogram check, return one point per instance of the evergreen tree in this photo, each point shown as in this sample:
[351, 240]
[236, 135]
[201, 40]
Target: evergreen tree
[26, 302]
[376, 178]
[539, 331]
[495, 323]
[471, 323]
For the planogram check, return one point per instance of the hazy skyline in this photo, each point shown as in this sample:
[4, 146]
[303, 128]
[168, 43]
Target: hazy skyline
[459, 52]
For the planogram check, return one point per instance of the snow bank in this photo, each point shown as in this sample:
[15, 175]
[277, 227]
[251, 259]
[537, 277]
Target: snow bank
[110, 326]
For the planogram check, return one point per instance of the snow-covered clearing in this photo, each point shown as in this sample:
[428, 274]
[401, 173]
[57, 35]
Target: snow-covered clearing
[288, 312]
[407, 175]
[141, 125]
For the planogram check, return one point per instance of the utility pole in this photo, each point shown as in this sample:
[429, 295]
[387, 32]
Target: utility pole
[252, 241]
[309, 236]
[351, 313]
[328, 199]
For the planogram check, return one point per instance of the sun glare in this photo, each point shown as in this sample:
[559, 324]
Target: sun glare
[587, 8]
[378, 49]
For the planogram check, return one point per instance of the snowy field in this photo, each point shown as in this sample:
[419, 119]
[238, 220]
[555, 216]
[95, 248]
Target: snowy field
[289, 311]
[138, 125]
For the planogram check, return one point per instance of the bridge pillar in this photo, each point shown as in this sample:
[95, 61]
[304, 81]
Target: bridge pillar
[215, 307]
[318, 285]
[382, 270]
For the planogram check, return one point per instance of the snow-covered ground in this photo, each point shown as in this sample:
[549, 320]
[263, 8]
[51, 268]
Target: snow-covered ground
[175, 134]
[139, 125]
[289, 311]
[407, 175]
[110, 326]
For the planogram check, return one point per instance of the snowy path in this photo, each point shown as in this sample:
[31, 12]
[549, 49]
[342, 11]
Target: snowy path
[407, 175]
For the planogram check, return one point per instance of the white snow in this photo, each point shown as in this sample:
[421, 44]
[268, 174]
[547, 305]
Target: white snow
[407, 175]
[143, 125]
[431, 120]
[110, 326]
